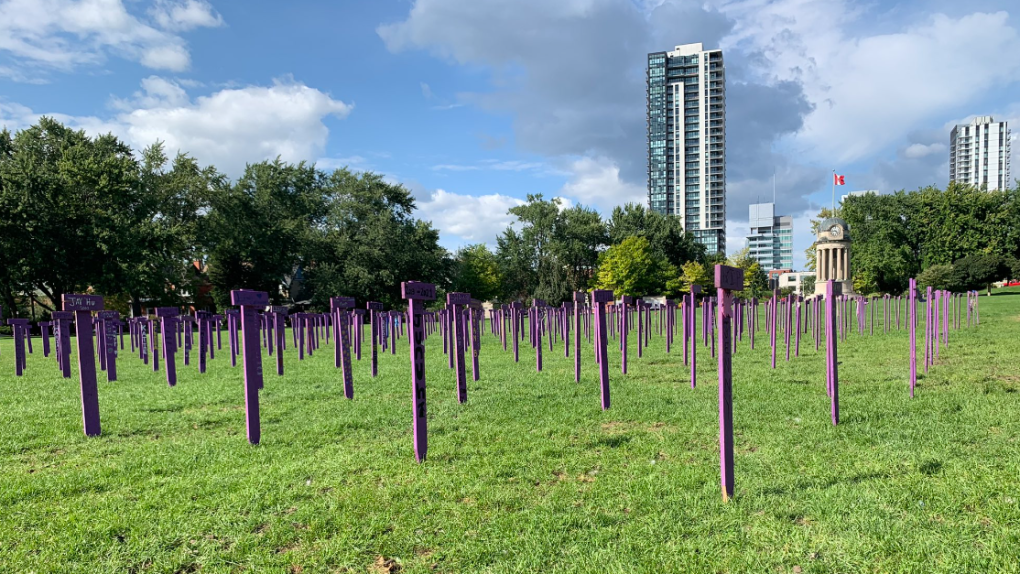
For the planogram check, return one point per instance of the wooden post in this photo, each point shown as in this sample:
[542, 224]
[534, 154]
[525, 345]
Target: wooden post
[250, 301]
[417, 293]
[727, 280]
[83, 306]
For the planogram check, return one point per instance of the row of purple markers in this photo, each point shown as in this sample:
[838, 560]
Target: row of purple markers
[597, 317]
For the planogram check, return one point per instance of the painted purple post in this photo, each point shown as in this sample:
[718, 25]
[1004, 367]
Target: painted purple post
[799, 302]
[455, 307]
[579, 300]
[342, 338]
[832, 290]
[640, 325]
[773, 318]
[927, 329]
[18, 330]
[203, 341]
[251, 355]
[692, 314]
[108, 324]
[359, 331]
[374, 309]
[153, 346]
[44, 331]
[727, 280]
[278, 316]
[474, 314]
[167, 327]
[599, 298]
[417, 293]
[63, 340]
[83, 306]
[515, 320]
[232, 319]
[624, 327]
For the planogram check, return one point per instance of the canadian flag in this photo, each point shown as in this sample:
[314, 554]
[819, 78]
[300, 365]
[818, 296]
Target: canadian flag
[838, 179]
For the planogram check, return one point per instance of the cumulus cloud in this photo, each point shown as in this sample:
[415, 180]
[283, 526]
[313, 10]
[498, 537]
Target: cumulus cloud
[464, 219]
[63, 34]
[227, 128]
[186, 15]
[597, 182]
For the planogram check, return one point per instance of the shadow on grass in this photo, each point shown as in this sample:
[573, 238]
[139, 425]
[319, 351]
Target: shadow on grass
[803, 484]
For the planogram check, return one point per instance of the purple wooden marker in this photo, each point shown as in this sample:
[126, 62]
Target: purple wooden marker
[374, 310]
[515, 320]
[695, 289]
[18, 330]
[832, 374]
[417, 293]
[455, 307]
[599, 298]
[108, 322]
[727, 280]
[168, 324]
[475, 314]
[536, 329]
[624, 302]
[773, 317]
[62, 339]
[339, 307]
[579, 300]
[83, 306]
[44, 331]
[278, 318]
[250, 301]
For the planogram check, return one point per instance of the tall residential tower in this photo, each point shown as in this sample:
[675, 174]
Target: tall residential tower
[771, 240]
[979, 153]
[686, 97]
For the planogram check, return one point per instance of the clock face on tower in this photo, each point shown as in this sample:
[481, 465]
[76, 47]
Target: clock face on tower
[835, 231]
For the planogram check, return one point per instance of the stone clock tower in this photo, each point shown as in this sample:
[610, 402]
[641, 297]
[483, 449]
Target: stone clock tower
[832, 255]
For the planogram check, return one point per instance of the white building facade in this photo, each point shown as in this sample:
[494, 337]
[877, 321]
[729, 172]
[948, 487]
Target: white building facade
[771, 240]
[686, 101]
[979, 153]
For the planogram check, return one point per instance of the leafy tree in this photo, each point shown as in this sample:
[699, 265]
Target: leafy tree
[979, 271]
[580, 236]
[665, 234]
[366, 243]
[477, 273]
[807, 285]
[756, 281]
[515, 266]
[937, 277]
[694, 272]
[630, 268]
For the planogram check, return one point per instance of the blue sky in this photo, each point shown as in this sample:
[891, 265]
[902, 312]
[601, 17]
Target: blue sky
[473, 104]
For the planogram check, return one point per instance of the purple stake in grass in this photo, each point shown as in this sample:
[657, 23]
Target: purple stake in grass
[341, 334]
[416, 294]
[83, 306]
[232, 320]
[359, 331]
[203, 342]
[599, 299]
[692, 314]
[515, 322]
[44, 331]
[62, 338]
[108, 323]
[19, 328]
[250, 302]
[374, 309]
[579, 300]
[831, 360]
[624, 302]
[455, 307]
[279, 319]
[773, 317]
[727, 280]
[537, 306]
[167, 327]
[475, 313]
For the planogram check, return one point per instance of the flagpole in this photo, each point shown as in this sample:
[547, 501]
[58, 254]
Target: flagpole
[834, 193]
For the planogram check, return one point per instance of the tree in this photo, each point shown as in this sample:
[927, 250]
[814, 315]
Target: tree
[937, 277]
[807, 285]
[580, 237]
[477, 272]
[367, 242]
[693, 273]
[756, 282]
[665, 233]
[979, 271]
[515, 266]
[73, 213]
[629, 268]
[260, 229]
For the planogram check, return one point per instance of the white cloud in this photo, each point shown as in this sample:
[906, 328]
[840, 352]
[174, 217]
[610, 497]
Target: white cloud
[186, 15]
[227, 128]
[63, 34]
[463, 219]
[354, 163]
[918, 150]
[426, 91]
[596, 181]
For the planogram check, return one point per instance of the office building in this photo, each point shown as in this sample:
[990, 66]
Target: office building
[771, 240]
[979, 153]
[686, 97]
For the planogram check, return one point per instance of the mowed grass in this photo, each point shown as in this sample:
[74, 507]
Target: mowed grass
[530, 475]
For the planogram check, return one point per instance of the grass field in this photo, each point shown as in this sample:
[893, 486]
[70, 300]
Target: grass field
[530, 475]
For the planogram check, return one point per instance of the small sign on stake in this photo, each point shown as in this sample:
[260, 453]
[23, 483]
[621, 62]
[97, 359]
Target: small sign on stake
[417, 293]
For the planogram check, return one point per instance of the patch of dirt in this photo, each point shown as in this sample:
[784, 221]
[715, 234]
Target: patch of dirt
[383, 565]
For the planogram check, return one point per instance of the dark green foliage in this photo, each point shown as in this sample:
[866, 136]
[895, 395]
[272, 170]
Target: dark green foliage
[979, 271]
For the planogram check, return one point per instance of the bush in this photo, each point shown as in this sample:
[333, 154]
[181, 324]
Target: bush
[937, 277]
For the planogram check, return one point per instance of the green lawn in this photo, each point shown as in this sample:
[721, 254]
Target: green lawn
[530, 475]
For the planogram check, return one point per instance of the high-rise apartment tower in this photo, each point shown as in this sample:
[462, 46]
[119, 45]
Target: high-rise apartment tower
[686, 96]
[979, 153]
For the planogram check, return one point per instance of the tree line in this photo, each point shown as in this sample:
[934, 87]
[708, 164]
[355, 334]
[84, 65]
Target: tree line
[957, 238]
